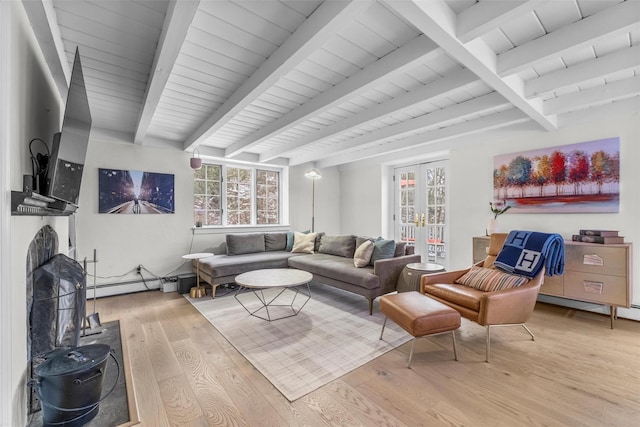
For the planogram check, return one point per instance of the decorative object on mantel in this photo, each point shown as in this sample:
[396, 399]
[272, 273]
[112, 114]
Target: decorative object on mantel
[598, 236]
[195, 161]
[497, 208]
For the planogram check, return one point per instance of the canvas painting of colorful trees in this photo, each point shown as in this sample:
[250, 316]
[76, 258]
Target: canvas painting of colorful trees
[575, 178]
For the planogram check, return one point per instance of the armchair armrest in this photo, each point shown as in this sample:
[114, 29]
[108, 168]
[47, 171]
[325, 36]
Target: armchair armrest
[389, 269]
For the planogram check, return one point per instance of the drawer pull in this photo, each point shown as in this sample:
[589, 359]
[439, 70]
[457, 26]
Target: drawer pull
[592, 259]
[593, 287]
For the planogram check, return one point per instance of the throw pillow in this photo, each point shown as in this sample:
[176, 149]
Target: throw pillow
[303, 243]
[343, 246]
[289, 245]
[382, 249]
[490, 279]
[363, 254]
[400, 248]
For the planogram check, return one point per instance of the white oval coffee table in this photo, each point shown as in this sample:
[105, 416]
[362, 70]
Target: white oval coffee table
[269, 287]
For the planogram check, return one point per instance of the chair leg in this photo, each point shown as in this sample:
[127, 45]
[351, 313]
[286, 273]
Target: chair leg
[370, 306]
[383, 325]
[488, 343]
[455, 351]
[533, 338]
[413, 342]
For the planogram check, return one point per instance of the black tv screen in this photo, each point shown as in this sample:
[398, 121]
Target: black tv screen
[70, 145]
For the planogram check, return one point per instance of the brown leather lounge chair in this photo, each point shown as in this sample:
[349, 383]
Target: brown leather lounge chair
[507, 307]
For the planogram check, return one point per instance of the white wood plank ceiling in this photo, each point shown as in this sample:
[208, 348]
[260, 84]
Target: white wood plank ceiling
[332, 82]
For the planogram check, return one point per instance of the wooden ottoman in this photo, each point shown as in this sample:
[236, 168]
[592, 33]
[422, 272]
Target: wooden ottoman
[420, 316]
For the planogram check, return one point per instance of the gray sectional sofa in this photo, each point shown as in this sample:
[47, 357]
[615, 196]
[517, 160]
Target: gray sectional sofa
[331, 262]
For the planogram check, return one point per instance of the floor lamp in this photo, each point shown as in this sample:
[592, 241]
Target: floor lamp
[313, 174]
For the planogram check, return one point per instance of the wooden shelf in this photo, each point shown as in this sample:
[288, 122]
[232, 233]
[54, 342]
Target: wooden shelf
[33, 204]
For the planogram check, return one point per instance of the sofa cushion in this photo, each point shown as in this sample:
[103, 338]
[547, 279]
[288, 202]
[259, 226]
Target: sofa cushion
[461, 295]
[343, 246]
[490, 279]
[223, 265]
[336, 268]
[382, 249]
[361, 239]
[303, 243]
[275, 241]
[362, 256]
[400, 249]
[249, 243]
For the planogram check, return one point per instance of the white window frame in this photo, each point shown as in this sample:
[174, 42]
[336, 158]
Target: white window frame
[283, 203]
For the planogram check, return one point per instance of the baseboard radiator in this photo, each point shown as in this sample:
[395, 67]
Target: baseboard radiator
[126, 287]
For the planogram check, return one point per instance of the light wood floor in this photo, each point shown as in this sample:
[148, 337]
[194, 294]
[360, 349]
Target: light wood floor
[578, 372]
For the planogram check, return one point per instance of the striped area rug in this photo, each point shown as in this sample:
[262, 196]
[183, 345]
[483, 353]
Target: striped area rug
[332, 335]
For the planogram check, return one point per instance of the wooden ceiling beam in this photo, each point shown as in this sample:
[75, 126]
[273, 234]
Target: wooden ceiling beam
[438, 22]
[598, 95]
[622, 60]
[481, 105]
[608, 23]
[622, 108]
[485, 16]
[174, 31]
[453, 82]
[415, 52]
[483, 124]
[44, 23]
[329, 17]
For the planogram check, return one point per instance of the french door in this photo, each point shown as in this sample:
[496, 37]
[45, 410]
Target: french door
[421, 209]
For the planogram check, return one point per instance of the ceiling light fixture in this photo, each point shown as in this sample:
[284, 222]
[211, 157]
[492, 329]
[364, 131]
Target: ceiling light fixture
[196, 161]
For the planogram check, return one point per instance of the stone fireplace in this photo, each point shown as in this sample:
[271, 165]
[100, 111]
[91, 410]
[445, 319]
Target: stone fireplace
[56, 300]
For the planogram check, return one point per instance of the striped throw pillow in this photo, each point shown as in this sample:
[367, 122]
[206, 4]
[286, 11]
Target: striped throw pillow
[490, 279]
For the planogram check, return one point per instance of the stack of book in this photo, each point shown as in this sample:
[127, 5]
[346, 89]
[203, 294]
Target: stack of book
[598, 236]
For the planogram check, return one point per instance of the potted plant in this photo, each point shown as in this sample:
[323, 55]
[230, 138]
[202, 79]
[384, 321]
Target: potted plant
[497, 209]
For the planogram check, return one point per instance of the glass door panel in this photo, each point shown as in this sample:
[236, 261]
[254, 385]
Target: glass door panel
[421, 210]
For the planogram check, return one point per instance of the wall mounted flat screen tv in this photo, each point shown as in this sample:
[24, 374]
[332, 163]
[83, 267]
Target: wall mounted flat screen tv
[69, 147]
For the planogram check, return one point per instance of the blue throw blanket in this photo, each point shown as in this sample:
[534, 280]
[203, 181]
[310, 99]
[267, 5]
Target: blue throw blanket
[526, 252]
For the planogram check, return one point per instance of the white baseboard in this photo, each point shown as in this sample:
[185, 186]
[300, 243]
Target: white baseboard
[632, 313]
[111, 289]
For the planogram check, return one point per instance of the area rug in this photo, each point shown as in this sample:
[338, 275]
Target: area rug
[332, 335]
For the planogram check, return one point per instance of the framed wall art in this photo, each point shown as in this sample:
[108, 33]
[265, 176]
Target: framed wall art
[135, 192]
[575, 178]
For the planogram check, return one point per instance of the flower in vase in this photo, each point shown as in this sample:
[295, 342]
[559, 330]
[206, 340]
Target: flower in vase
[498, 208]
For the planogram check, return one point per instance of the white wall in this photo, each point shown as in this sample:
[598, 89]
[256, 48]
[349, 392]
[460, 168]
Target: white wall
[34, 111]
[471, 188]
[327, 204]
[362, 206]
[125, 241]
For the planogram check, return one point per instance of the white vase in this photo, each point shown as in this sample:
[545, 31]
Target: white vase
[492, 227]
